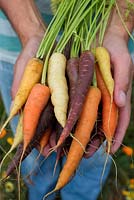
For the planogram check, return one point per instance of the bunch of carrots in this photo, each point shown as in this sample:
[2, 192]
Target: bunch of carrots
[67, 105]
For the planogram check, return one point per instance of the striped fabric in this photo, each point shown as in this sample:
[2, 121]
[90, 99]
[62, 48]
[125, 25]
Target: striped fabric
[10, 45]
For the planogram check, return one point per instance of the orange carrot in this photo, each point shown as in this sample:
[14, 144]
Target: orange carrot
[109, 110]
[43, 142]
[34, 70]
[81, 136]
[35, 104]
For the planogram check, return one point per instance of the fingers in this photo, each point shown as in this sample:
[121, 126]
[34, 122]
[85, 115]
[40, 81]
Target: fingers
[122, 73]
[124, 119]
[28, 52]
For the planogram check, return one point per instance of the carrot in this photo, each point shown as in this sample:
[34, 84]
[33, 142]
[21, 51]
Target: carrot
[109, 110]
[86, 68]
[53, 140]
[109, 115]
[82, 134]
[47, 119]
[97, 136]
[94, 144]
[35, 104]
[33, 69]
[17, 139]
[46, 150]
[58, 86]
[103, 59]
[72, 72]
[15, 161]
[44, 140]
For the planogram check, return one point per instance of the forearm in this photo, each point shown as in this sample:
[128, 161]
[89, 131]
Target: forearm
[24, 17]
[116, 24]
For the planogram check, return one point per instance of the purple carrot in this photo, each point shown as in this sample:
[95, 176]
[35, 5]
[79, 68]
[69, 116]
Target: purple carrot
[94, 144]
[72, 73]
[86, 69]
[15, 161]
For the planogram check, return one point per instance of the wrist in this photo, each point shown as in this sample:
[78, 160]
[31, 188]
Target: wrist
[33, 31]
[25, 18]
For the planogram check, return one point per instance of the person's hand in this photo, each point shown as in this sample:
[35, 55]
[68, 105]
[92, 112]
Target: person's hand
[28, 52]
[29, 26]
[123, 74]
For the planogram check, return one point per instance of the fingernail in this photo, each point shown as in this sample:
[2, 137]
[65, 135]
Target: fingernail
[122, 98]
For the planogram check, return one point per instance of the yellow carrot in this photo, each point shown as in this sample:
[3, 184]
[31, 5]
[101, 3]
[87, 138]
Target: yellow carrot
[18, 138]
[31, 76]
[103, 59]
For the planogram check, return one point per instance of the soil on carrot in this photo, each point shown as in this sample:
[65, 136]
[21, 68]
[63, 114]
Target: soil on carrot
[124, 190]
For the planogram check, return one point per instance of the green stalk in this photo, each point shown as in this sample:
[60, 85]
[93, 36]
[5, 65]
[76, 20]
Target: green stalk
[101, 27]
[78, 8]
[48, 28]
[99, 24]
[94, 43]
[93, 23]
[71, 24]
[44, 73]
[81, 15]
[54, 29]
[76, 44]
[104, 25]
[70, 15]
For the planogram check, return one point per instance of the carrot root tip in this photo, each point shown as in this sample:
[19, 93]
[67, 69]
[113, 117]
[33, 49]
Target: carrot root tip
[5, 124]
[51, 150]
[49, 193]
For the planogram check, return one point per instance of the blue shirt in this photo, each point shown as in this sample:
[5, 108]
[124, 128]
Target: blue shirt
[10, 45]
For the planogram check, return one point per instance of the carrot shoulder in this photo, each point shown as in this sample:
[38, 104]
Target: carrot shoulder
[35, 104]
[103, 59]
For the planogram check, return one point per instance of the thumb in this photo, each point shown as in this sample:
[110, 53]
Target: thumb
[122, 74]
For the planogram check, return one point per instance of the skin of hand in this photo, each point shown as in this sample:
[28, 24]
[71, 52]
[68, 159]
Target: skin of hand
[123, 74]
[29, 51]
[29, 26]
[116, 42]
